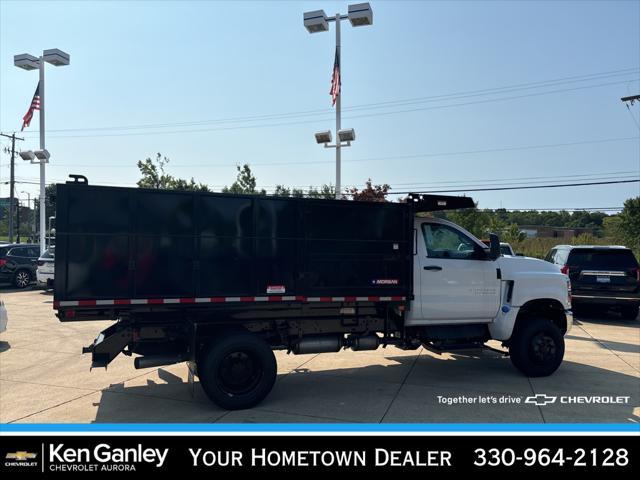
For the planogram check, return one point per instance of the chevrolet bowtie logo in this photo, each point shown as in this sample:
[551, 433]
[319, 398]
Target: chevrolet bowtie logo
[21, 456]
[541, 399]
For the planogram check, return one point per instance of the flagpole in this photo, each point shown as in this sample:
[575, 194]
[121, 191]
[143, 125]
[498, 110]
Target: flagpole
[338, 110]
[43, 197]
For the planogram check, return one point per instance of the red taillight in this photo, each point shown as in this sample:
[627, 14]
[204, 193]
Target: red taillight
[3, 262]
[565, 269]
[637, 273]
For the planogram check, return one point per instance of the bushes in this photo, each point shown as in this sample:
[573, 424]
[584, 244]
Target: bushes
[538, 247]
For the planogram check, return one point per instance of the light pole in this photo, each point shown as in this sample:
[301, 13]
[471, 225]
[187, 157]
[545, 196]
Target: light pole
[317, 21]
[29, 62]
[33, 213]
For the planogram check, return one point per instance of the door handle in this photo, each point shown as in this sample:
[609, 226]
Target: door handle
[432, 267]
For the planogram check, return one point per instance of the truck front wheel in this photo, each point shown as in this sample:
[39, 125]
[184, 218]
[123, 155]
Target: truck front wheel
[537, 347]
[237, 370]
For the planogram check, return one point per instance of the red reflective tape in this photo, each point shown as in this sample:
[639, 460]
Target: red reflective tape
[275, 298]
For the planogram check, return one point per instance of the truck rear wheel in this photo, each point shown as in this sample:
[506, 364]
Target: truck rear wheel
[629, 312]
[237, 370]
[537, 347]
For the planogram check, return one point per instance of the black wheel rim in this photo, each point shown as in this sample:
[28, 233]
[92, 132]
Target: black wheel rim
[239, 373]
[22, 279]
[543, 348]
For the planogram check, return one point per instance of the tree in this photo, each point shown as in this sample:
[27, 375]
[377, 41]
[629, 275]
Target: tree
[471, 219]
[371, 193]
[245, 182]
[513, 234]
[154, 176]
[326, 191]
[630, 223]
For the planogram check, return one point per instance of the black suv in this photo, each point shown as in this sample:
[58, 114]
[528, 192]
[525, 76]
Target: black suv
[606, 276]
[18, 263]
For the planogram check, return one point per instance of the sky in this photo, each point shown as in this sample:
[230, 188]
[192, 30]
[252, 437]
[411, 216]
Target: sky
[443, 95]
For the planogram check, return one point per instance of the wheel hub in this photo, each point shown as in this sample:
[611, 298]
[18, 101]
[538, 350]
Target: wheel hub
[543, 347]
[239, 373]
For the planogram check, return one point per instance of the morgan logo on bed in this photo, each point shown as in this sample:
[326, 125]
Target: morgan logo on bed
[385, 281]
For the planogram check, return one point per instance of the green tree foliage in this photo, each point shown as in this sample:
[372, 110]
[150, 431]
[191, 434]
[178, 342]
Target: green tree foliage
[513, 234]
[154, 175]
[245, 182]
[629, 225]
[472, 219]
[326, 191]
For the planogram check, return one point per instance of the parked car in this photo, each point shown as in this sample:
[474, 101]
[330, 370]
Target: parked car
[45, 270]
[18, 263]
[505, 248]
[3, 317]
[605, 276]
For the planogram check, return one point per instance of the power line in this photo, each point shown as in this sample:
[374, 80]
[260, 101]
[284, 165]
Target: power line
[376, 159]
[368, 115]
[523, 187]
[450, 96]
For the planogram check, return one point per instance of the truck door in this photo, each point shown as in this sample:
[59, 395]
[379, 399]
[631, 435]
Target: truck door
[457, 280]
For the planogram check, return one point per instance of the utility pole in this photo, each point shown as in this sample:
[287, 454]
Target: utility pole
[12, 180]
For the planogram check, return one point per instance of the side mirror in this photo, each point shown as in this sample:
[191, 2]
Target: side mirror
[494, 246]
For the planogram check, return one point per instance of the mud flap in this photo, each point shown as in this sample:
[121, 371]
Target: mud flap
[191, 374]
[109, 344]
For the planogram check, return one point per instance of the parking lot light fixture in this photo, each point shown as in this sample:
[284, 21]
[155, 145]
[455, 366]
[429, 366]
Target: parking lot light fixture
[28, 155]
[323, 137]
[315, 21]
[347, 135]
[360, 14]
[42, 155]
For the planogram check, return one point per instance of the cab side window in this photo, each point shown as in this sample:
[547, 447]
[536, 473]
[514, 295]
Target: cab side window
[443, 241]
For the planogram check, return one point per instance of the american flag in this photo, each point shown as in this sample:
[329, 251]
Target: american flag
[35, 105]
[335, 79]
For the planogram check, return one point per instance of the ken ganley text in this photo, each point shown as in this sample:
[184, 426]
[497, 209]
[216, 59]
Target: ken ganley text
[262, 457]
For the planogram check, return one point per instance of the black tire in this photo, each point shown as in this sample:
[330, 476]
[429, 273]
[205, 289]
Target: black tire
[22, 279]
[630, 312]
[537, 347]
[237, 370]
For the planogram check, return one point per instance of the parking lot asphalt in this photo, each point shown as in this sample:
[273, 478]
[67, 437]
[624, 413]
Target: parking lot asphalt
[45, 379]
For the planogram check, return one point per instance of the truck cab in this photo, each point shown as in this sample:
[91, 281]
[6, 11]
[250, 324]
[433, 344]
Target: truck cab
[457, 281]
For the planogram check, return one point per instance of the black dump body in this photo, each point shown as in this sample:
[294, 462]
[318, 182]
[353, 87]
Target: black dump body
[118, 248]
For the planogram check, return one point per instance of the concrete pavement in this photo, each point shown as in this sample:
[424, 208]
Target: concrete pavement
[45, 379]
